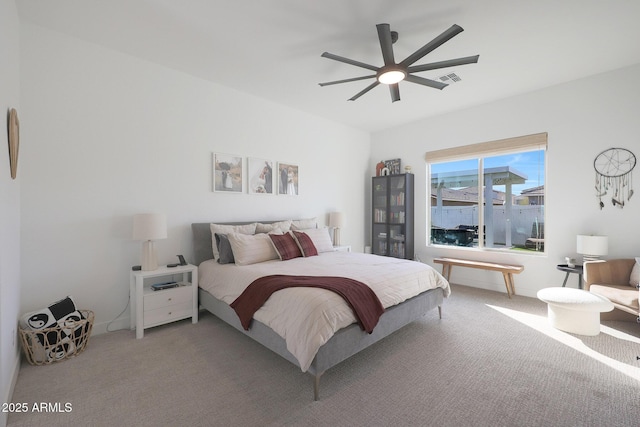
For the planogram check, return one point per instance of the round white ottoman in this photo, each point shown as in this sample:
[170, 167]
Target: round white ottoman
[574, 310]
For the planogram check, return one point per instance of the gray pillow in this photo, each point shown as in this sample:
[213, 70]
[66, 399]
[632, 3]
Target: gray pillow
[225, 254]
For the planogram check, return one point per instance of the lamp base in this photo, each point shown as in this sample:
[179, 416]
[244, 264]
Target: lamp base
[336, 236]
[149, 260]
[586, 258]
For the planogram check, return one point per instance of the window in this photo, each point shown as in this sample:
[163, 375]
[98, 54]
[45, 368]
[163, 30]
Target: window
[488, 195]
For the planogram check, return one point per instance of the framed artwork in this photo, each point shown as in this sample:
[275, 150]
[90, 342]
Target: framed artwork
[393, 165]
[260, 176]
[288, 179]
[227, 173]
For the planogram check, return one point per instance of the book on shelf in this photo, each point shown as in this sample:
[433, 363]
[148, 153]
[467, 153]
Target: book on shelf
[164, 285]
[397, 250]
[397, 199]
[397, 217]
[380, 215]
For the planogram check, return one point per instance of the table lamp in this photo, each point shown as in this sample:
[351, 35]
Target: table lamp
[336, 220]
[149, 227]
[592, 247]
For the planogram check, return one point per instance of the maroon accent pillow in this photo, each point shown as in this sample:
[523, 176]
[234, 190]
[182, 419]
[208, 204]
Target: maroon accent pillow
[285, 246]
[306, 244]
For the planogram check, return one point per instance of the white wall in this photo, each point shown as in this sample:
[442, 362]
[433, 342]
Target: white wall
[9, 204]
[582, 119]
[108, 136]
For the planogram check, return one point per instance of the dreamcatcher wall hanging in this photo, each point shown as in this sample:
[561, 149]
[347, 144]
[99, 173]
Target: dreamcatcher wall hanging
[614, 175]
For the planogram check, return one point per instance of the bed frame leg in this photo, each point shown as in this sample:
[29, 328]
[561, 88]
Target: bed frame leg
[440, 311]
[316, 387]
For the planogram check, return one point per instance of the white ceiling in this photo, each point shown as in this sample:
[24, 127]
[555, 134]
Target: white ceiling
[271, 48]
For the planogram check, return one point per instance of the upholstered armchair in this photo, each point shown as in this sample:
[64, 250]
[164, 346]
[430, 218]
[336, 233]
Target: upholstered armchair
[611, 279]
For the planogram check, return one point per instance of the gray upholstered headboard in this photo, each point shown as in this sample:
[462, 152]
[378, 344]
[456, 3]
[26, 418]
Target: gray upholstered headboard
[202, 244]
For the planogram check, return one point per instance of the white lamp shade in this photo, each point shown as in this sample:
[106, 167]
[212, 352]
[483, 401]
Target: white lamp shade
[336, 219]
[593, 245]
[149, 226]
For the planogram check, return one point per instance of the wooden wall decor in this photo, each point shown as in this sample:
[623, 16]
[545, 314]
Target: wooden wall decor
[14, 141]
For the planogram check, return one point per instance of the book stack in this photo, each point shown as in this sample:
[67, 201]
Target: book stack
[164, 285]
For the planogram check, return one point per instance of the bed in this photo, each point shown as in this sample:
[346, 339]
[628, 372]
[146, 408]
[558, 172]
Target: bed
[318, 351]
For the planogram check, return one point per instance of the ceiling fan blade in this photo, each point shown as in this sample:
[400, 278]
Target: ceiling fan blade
[365, 90]
[426, 82]
[386, 44]
[444, 64]
[349, 61]
[447, 35]
[395, 92]
[354, 79]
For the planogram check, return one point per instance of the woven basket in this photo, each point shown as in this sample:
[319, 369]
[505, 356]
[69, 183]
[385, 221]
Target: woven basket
[49, 345]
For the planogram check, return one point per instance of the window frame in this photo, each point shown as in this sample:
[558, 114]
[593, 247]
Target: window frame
[480, 151]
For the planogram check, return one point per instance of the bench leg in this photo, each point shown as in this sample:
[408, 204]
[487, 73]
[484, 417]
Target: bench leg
[508, 282]
[446, 271]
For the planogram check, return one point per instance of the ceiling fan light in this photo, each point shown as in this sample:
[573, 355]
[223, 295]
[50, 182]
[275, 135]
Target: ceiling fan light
[390, 77]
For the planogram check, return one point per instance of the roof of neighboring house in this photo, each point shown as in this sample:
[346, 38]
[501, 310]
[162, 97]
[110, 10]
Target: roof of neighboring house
[533, 191]
[468, 195]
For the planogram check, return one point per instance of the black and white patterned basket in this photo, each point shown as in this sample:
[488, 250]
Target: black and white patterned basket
[59, 342]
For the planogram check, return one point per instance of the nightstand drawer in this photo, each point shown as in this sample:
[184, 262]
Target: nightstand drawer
[167, 314]
[168, 297]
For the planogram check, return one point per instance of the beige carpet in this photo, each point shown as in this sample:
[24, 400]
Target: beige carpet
[478, 366]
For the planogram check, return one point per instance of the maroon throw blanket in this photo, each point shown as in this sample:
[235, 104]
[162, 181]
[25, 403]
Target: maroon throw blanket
[364, 302]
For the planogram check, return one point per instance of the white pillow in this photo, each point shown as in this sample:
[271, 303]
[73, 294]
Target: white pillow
[251, 249]
[282, 226]
[226, 229]
[320, 238]
[303, 224]
[634, 279]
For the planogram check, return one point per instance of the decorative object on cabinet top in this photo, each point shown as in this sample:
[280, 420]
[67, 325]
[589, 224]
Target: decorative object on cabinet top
[394, 166]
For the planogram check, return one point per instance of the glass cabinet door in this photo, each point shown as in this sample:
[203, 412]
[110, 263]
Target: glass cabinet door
[397, 213]
[392, 209]
[380, 215]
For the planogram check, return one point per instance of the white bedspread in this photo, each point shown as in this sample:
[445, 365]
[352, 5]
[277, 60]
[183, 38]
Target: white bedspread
[308, 317]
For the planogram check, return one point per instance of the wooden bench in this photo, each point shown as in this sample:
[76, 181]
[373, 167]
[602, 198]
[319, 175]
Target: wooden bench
[507, 270]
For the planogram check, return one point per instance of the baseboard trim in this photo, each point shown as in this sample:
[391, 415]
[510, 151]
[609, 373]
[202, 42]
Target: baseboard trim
[112, 325]
[9, 393]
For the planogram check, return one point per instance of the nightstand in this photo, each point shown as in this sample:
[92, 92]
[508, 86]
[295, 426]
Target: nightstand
[151, 308]
[342, 248]
[577, 269]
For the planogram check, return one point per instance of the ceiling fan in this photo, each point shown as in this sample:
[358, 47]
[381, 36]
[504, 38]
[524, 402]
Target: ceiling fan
[391, 73]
